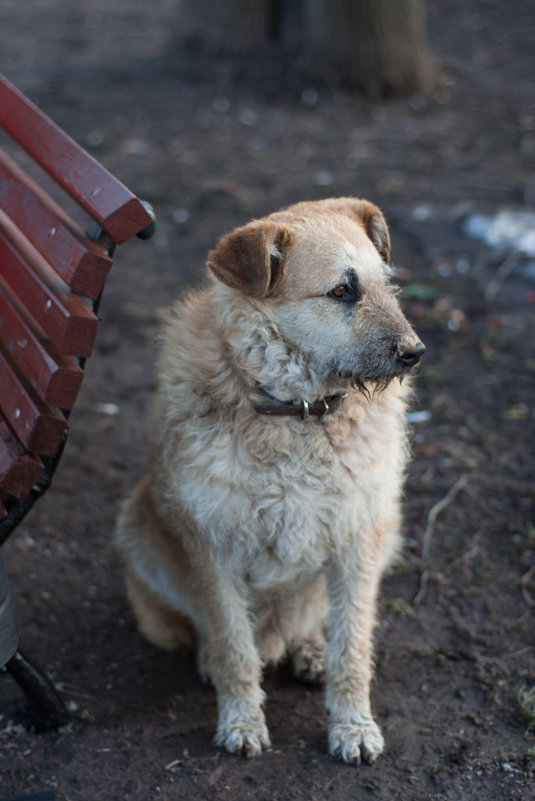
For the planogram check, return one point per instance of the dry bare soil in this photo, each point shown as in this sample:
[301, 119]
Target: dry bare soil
[211, 143]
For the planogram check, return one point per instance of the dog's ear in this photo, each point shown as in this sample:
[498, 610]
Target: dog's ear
[251, 258]
[373, 220]
[376, 227]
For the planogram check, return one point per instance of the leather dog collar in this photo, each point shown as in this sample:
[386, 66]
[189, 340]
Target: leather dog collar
[303, 408]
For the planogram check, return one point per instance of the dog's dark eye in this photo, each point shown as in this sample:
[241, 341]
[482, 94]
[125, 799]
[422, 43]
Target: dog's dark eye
[345, 293]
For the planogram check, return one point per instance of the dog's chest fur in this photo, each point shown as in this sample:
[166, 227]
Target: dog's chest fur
[276, 497]
[285, 516]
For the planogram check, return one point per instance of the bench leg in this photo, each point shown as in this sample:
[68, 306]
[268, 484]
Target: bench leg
[47, 710]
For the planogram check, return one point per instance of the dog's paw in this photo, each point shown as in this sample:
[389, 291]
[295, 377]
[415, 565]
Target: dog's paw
[308, 659]
[248, 738]
[356, 741]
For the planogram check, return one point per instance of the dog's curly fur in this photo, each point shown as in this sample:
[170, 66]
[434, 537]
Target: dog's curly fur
[252, 536]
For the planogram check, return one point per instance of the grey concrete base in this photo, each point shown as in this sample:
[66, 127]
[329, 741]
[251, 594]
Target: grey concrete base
[9, 635]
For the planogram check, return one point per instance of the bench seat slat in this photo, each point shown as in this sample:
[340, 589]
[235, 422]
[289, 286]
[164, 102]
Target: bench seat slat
[82, 264]
[19, 469]
[102, 196]
[39, 427]
[65, 318]
[55, 377]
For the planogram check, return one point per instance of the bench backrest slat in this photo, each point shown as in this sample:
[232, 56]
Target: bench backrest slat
[64, 317]
[18, 468]
[103, 197]
[82, 264]
[38, 426]
[55, 377]
[51, 277]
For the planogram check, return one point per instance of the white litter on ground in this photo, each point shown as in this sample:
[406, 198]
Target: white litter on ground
[507, 231]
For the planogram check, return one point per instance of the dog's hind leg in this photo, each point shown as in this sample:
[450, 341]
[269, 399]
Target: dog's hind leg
[308, 658]
[161, 625]
[271, 642]
[303, 616]
[155, 572]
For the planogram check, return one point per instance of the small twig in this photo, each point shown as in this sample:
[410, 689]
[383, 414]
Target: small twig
[436, 510]
[175, 763]
[465, 557]
[428, 533]
[420, 595]
[502, 273]
[524, 581]
[505, 657]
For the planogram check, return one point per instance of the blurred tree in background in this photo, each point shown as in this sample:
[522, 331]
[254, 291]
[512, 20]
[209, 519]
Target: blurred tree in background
[379, 46]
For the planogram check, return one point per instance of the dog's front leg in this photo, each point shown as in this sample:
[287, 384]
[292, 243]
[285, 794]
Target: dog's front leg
[229, 656]
[353, 733]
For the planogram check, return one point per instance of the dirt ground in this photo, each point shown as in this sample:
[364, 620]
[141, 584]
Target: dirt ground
[211, 143]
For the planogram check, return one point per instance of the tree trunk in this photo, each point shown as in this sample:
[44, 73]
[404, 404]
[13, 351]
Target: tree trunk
[378, 45]
[226, 25]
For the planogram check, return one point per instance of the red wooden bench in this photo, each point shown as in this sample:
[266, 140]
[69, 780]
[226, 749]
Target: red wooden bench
[52, 275]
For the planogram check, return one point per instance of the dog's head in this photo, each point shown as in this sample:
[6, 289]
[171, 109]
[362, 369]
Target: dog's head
[320, 270]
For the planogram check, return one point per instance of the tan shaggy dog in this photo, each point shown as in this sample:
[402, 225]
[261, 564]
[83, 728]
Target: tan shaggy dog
[272, 501]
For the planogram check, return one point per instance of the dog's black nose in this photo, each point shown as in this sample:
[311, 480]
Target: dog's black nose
[411, 356]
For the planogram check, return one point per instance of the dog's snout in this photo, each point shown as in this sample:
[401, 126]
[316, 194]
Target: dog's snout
[411, 355]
